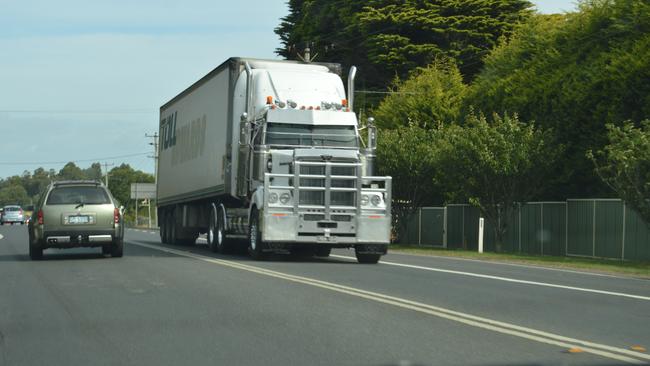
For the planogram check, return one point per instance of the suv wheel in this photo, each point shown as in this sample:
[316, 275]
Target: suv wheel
[117, 249]
[35, 252]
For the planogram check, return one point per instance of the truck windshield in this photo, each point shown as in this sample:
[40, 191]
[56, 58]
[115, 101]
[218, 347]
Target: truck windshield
[287, 134]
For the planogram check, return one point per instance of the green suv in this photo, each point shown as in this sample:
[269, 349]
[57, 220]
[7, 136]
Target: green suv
[76, 214]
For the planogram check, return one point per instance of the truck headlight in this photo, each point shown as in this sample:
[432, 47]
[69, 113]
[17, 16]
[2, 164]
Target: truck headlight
[375, 200]
[273, 197]
[364, 200]
[285, 198]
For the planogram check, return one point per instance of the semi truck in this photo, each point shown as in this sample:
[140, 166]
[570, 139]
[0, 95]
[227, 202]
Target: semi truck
[269, 154]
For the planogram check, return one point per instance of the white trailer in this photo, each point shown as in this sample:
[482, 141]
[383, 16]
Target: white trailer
[270, 152]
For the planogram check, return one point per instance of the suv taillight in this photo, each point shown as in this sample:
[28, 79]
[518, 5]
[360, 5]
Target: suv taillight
[20, 211]
[40, 217]
[116, 215]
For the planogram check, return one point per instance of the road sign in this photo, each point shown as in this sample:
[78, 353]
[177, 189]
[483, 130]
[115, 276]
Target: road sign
[143, 191]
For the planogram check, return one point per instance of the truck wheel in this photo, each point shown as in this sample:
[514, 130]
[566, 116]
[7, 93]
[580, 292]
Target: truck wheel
[255, 243]
[323, 251]
[212, 235]
[223, 243]
[368, 258]
[173, 238]
[163, 229]
[106, 249]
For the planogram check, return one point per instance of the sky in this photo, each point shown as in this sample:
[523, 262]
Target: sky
[83, 80]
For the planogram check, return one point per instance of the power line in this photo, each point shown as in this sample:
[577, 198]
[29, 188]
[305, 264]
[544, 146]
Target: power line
[79, 111]
[71, 161]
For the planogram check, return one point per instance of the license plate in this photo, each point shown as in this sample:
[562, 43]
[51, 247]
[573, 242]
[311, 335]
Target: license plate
[78, 219]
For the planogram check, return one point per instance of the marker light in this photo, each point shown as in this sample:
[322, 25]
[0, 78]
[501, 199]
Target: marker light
[269, 100]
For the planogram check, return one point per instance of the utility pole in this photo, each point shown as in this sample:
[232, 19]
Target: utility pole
[307, 57]
[154, 143]
[106, 165]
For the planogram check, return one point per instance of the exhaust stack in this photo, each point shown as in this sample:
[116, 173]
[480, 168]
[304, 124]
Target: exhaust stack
[351, 76]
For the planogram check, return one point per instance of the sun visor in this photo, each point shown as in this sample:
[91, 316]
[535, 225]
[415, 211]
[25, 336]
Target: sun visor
[311, 117]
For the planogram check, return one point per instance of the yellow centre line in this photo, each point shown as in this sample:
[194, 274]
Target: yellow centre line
[615, 353]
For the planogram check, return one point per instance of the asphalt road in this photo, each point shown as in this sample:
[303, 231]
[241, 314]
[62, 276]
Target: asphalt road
[176, 305]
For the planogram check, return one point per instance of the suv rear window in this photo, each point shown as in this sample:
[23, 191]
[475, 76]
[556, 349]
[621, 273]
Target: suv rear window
[12, 208]
[76, 195]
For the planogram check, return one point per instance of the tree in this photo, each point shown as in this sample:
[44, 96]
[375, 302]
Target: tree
[494, 165]
[120, 179]
[388, 38]
[71, 172]
[573, 73]
[93, 172]
[14, 195]
[624, 165]
[432, 97]
[406, 154]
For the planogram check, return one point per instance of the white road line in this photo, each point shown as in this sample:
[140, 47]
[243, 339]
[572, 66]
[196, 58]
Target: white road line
[541, 267]
[1, 236]
[506, 279]
[619, 354]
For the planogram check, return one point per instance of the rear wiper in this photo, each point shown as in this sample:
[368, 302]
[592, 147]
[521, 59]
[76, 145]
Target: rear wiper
[81, 204]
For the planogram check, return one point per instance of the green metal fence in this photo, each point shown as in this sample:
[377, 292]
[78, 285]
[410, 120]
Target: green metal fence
[599, 228]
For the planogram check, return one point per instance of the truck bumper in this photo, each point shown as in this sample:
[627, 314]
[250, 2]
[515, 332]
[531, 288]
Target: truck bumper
[290, 228]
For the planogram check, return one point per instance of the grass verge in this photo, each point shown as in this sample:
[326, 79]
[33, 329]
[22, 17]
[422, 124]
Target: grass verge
[606, 266]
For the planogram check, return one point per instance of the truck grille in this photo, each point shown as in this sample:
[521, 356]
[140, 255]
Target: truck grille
[314, 181]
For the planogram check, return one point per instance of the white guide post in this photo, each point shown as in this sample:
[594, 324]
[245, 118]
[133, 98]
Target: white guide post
[481, 226]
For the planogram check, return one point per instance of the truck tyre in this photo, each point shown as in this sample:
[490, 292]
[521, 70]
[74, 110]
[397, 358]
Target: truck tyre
[224, 245]
[323, 251]
[117, 249]
[106, 249]
[368, 258]
[255, 243]
[212, 235]
[163, 229]
[173, 238]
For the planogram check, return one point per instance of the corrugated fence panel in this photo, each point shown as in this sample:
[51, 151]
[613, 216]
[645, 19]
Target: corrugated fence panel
[471, 216]
[637, 237]
[580, 227]
[455, 229]
[609, 228]
[511, 236]
[531, 219]
[601, 228]
[411, 232]
[553, 235]
[433, 226]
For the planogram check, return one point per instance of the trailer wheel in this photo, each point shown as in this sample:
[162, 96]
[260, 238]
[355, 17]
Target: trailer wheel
[173, 234]
[255, 243]
[212, 234]
[224, 245]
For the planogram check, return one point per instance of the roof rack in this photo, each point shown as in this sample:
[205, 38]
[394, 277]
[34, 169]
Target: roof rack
[73, 182]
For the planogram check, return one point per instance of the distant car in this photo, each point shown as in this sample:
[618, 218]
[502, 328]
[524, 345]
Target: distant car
[12, 215]
[76, 214]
